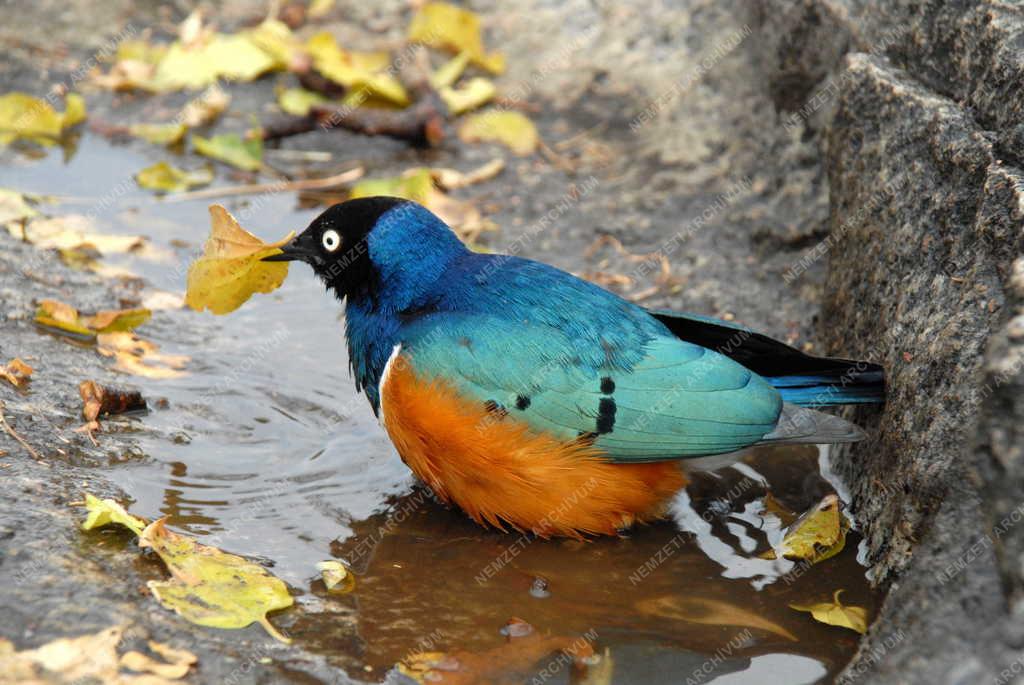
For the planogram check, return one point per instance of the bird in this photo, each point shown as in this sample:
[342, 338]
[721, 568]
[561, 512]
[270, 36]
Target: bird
[537, 401]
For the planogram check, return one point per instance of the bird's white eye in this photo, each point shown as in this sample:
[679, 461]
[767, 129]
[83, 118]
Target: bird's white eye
[331, 240]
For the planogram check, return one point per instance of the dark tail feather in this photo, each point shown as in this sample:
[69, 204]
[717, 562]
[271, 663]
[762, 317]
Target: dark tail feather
[800, 378]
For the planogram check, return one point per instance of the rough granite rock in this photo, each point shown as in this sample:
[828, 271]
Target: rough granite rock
[920, 126]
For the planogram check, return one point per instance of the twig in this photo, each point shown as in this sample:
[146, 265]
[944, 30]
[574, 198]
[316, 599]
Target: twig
[280, 187]
[21, 440]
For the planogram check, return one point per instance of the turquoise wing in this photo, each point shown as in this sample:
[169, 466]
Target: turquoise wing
[677, 400]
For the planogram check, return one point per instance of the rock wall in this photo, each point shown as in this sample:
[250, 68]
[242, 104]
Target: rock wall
[919, 112]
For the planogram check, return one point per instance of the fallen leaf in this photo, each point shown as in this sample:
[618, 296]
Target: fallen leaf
[834, 613]
[319, 8]
[336, 577]
[159, 134]
[451, 179]
[133, 355]
[62, 316]
[357, 71]
[210, 587]
[16, 372]
[298, 101]
[14, 206]
[25, 116]
[71, 231]
[232, 149]
[512, 129]
[170, 179]
[161, 299]
[106, 511]
[90, 658]
[276, 39]
[817, 535]
[230, 269]
[175, 665]
[209, 59]
[205, 107]
[449, 72]
[710, 612]
[415, 184]
[475, 93]
[441, 25]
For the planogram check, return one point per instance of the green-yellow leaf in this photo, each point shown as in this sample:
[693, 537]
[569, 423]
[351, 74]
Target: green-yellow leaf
[159, 134]
[817, 535]
[277, 40]
[298, 101]
[512, 129]
[450, 71]
[357, 71]
[475, 93]
[232, 149]
[232, 57]
[170, 179]
[415, 184]
[230, 270]
[835, 613]
[25, 116]
[64, 317]
[213, 588]
[103, 512]
[442, 25]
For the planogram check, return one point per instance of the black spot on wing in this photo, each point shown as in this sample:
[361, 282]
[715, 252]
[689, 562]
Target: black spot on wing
[607, 385]
[522, 402]
[605, 415]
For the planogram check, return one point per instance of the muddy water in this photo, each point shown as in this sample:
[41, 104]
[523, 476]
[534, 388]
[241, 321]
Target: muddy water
[265, 450]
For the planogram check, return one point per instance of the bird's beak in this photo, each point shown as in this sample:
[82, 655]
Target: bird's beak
[299, 249]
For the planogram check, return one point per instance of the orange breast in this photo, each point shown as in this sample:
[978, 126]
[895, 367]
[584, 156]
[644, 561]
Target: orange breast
[502, 473]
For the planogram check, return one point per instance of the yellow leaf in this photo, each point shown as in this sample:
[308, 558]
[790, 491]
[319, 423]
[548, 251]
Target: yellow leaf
[231, 149]
[175, 665]
[88, 658]
[213, 588]
[318, 8]
[139, 357]
[106, 511]
[476, 93]
[205, 107]
[159, 134]
[298, 101]
[70, 231]
[414, 184]
[233, 57]
[230, 270]
[16, 372]
[450, 71]
[441, 25]
[276, 39]
[817, 535]
[170, 179]
[710, 612]
[24, 116]
[512, 129]
[357, 71]
[337, 578]
[14, 207]
[64, 317]
[834, 613]
[74, 110]
[450, 179]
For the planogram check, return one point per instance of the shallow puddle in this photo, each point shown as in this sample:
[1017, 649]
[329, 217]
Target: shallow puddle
[264, 449]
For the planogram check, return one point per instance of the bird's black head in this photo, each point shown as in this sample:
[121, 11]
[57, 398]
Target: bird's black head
[384, 249]
[335, 244]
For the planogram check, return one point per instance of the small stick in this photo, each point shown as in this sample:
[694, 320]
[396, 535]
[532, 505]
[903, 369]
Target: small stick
[280, 187]
[13, 434]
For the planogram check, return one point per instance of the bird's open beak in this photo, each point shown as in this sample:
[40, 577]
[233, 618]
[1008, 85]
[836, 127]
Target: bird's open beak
[298, 249]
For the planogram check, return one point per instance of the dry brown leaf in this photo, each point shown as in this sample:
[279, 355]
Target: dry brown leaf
[139, 357]
[16, 372]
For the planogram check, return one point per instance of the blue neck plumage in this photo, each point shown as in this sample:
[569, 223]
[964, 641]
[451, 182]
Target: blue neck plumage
[409, 249]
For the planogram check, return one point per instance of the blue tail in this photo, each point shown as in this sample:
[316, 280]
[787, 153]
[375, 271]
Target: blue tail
[800, 378]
